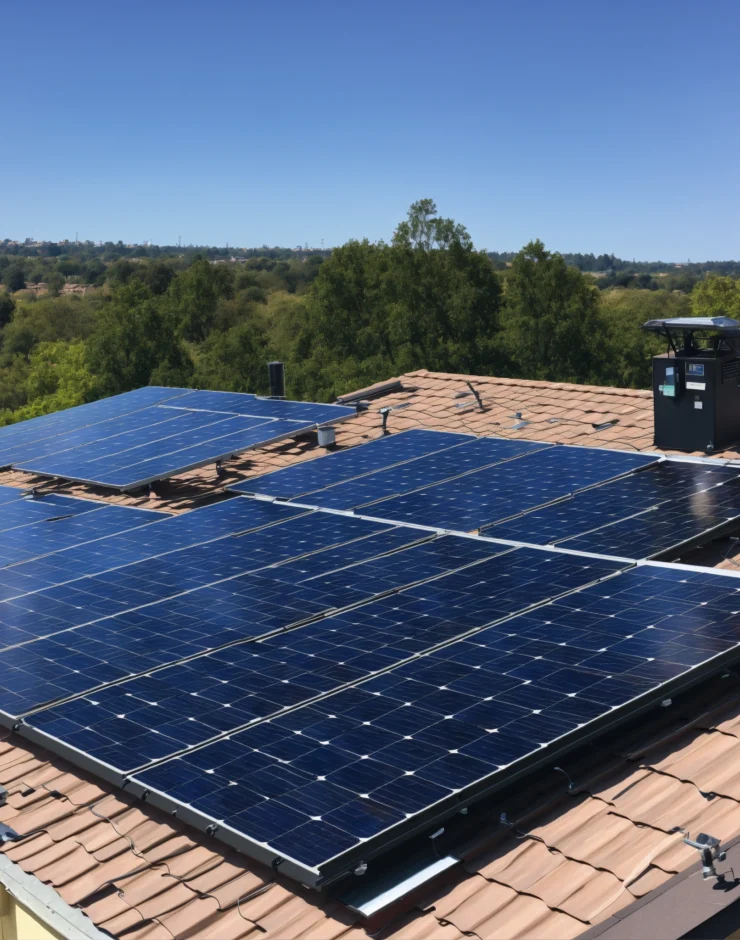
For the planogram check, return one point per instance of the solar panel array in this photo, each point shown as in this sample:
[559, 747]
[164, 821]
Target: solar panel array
[150, 434]
[315, 683]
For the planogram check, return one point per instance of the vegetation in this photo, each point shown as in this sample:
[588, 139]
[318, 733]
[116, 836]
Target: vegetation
[81, 321]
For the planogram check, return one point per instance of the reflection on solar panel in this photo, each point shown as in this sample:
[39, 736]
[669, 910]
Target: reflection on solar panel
[61, 422]
[498, 492]
[300, 479]
[668, 527]
[215, 694]
[705, 495]
[248, 607]
[425, 471]
[147, 435]
[124, 536]
[314, 785]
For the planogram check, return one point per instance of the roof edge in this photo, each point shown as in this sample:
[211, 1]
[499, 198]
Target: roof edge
[46, 905]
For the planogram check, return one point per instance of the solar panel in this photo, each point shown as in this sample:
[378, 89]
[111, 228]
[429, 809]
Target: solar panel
[300, 479]
[71, 419]
[248, 607]
[239, 403]
[329, 781]
[667, 527]
[162, 458]
[217, 693]
[149, 435]
[500, 491]
[126, 536]
[53, 534]
[425, 471]
[9, 494]
[664, 483]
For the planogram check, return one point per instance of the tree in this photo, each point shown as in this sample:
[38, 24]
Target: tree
[716, 297]
[427, 300]
[7, 306]
[192, 297]
[136, 342]
[14, 279]
[554, 330]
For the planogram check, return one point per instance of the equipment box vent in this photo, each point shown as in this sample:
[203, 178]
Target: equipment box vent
[731, 370]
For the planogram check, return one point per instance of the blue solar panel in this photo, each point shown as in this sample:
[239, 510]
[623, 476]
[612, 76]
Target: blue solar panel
[666, 482]
[135, 439]
[126, 542]
[299, 479]
[53, 534]
[222, 691]
[495, 493]
[425, 471]
[321, 780]
[242, 404]
[164, 457]
[9, 494]
[655, 531]
[113, 435]
[60, 422]
[248, 607]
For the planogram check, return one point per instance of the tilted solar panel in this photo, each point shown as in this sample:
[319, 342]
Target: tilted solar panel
[299, 479]
[244, 608]
[428, 470]
[217, 693]
[71, 419]
[666, 482]
[148, 435]
[414, 744]
[495, 493]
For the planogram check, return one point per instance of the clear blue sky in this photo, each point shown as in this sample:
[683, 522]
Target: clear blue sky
[595, 127]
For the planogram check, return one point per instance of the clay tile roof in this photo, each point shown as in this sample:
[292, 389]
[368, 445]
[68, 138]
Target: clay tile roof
[569, 863]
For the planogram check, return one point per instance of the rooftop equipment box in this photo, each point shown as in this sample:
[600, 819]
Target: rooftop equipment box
[696, 390]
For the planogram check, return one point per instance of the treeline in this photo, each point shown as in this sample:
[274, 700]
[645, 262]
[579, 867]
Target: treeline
[426, 299]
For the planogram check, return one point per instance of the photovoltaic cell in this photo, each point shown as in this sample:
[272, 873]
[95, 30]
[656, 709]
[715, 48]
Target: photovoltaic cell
[424, 471]
[245, 608]
[61, 422]
[122, 541]
[147, 435]
[315, 783]
[495, 493]
[243, 404]
[666, 482]
[222, 691]
[667, 526]
[299, 479]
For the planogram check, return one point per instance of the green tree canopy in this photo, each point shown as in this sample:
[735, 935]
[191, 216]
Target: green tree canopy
[554, 329]
[716, 297]
[135, 343]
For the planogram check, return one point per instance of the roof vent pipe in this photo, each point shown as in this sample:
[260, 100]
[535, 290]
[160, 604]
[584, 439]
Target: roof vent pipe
[276, 373]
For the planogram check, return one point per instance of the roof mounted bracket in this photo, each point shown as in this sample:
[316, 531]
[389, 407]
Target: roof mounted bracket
[475, 392]
[711, 852]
